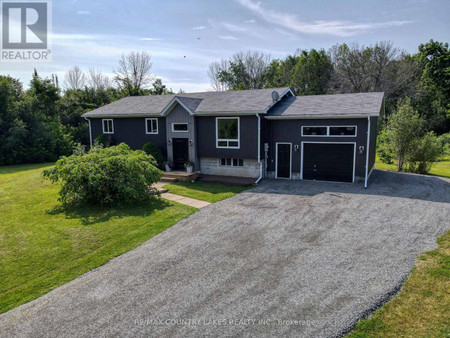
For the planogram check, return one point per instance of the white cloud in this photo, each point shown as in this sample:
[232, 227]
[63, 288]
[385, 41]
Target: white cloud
[83, 12]
[198, 28]
[227, 37]
[232, 27]
[250, 21]
[150, 39]
[336, 27]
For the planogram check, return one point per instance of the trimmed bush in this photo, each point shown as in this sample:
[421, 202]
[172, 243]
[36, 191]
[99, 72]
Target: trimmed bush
[106, 176]
[151, 149]
[426, 150]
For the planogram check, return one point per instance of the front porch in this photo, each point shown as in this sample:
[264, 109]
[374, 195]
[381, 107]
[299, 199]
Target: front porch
[179, 176]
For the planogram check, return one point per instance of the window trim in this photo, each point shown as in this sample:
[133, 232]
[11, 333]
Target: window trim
[238, 140]
[112, 126]
[146, 125]
[231, 163]
[328, 131]
[180, 131]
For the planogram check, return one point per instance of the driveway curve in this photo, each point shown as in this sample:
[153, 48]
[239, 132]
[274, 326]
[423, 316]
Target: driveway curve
[287, 258]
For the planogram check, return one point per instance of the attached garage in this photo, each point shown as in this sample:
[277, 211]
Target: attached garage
[325, 161]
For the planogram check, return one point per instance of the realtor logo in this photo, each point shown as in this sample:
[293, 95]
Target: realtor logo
[25, 31]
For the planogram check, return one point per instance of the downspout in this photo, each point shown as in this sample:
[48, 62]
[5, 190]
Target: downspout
[367, 152]
[259, 150]
[90, 131]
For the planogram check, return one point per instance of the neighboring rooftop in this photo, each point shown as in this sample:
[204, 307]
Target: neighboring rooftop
[357, 104]
[229, 102]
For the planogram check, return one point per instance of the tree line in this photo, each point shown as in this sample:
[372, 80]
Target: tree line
[44, 122]
[423, 76]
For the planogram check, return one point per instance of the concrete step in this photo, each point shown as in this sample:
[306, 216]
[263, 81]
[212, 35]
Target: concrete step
[169, 179]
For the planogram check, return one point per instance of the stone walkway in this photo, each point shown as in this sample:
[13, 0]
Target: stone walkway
[192, 202]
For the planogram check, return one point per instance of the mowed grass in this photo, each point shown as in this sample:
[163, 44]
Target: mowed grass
[422, 308]
[439, 168]
[205, 191]
[43, 246]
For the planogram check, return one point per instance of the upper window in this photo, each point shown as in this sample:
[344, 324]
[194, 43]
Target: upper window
[337, 131]
[227, 132]
[313, 131]
[179, 127]
[151, 126]
[108, 126]
[343, 131]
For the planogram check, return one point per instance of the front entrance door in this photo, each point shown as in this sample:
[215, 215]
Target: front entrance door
[180, 152]
[283, 160]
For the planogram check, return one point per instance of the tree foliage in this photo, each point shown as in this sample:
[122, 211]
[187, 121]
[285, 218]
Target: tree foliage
[153, 150]
[105, 176]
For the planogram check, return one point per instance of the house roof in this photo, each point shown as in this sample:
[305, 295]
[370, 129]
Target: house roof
[206, 103]
[357, 104]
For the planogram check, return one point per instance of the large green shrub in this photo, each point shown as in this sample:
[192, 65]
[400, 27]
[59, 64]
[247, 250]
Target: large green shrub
[151, 149]
[425, 151]
[105, 176]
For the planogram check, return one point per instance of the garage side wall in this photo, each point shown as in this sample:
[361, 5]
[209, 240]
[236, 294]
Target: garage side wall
[289, 130]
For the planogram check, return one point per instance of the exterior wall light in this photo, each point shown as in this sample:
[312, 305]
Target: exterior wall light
[361, 150]
[191, 142]
[295, 147]
[169, 141]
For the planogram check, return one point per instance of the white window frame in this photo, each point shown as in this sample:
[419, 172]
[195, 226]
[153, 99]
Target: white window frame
[112, 126]
[180, 131]
[238, 140]
[328, 131]
[354, 158]
[231, 165]
[276, 160]
[151, 131]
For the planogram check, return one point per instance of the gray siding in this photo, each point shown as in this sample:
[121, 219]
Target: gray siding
[290, 131]
[373, 141]
[206, 129]
[132, 132]
[179, 115]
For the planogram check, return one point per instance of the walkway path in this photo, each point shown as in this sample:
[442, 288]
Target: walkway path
[192, 202]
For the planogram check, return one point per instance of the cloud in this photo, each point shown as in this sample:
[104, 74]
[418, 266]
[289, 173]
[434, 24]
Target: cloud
[250, 21]
[150, 39]
[198, 28]
[336, 27]
[227, 37]
[232, 27]
[83, 12]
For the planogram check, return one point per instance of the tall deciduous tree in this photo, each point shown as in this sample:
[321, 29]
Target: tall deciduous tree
[134, 73]
[74, 79]
[403, 128]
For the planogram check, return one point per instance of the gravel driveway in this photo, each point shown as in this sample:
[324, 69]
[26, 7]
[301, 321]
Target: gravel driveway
[287, 258]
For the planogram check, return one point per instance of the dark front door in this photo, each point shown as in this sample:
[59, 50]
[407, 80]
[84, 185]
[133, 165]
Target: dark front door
[180, 152]
[283, 160]
[328, 162]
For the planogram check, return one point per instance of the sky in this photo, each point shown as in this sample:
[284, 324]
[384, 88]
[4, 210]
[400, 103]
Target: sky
[184, 37]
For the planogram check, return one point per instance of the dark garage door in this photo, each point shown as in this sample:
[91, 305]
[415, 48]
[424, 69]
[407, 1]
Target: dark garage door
[328, 162]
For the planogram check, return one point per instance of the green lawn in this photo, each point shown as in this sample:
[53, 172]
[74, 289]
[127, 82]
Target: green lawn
[422, 308]
[439, 168]
[209, 192]
[42, 246]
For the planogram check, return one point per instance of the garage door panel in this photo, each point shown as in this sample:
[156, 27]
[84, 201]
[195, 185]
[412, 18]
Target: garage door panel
[328, 162]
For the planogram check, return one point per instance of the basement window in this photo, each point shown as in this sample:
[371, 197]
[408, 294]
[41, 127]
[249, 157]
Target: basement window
[232, 162]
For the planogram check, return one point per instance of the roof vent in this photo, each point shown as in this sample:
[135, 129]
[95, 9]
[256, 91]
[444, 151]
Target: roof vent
[275, 96]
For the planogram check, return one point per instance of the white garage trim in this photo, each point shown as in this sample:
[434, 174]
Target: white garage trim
[354, 156]
[276, 160]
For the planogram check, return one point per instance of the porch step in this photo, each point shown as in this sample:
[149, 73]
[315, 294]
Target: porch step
[165, 178]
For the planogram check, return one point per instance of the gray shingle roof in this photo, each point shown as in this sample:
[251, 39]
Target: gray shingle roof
[243, 101]
[358, 104]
